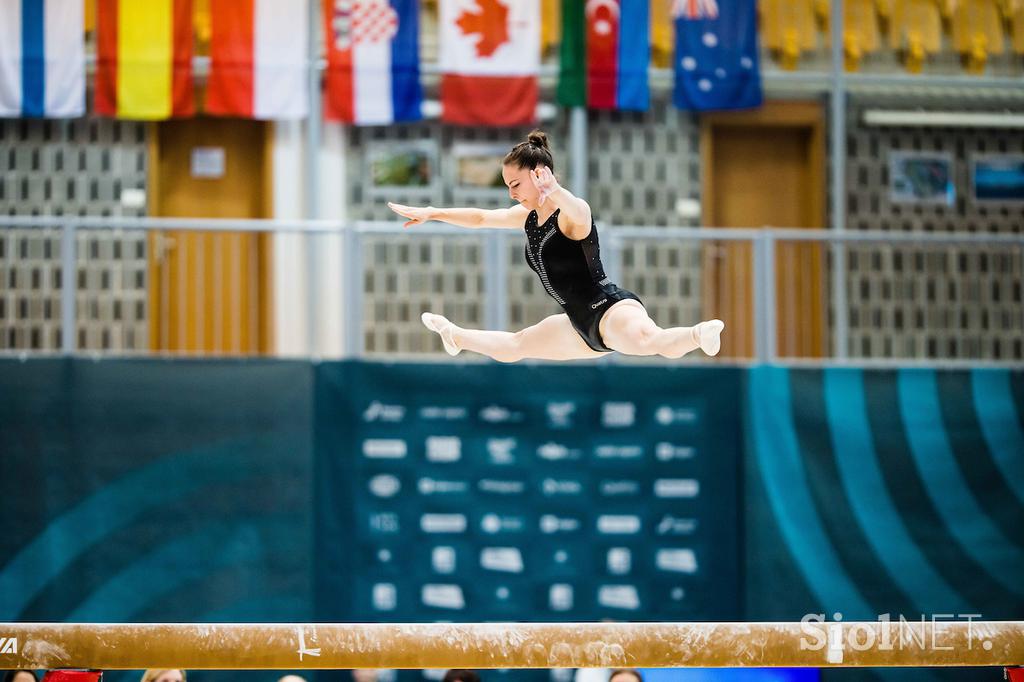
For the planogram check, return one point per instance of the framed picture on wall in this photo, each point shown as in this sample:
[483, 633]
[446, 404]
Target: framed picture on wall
[478, 166]
[403, 165]
[921, 178]
[998, 177]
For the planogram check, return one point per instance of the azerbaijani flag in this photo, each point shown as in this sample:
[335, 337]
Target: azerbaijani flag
[605, 52]
[258, 55]
[144, 58]
[42, 58]
[490, 57]
[373, 63]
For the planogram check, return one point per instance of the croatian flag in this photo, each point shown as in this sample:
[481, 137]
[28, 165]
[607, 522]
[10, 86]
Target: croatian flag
[42, 58]
[612, 38]
[258, 55]
[373, 67]
[716, 60]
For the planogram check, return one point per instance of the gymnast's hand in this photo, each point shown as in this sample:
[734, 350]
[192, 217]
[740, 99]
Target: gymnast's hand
[416, 215]
[544, 181]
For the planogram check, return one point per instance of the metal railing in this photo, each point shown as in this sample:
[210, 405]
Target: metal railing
[765, 243]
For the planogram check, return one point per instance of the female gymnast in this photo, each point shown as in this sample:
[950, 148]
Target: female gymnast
[562, 248]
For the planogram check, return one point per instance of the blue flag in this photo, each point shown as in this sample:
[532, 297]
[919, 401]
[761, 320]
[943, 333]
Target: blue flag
[716, 64]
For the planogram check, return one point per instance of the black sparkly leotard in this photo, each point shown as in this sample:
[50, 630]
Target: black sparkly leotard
[571, 272]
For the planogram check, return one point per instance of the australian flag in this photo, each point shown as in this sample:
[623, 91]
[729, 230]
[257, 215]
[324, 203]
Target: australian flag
[716, 63]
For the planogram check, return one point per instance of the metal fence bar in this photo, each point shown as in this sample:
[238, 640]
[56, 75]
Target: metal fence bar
[353, 294]
[68, 289]
[496, 274]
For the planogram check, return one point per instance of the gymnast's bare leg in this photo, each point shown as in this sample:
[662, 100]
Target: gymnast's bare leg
[553, 338]
[627, 328]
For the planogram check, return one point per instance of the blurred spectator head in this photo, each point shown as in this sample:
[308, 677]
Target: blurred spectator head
[20, 676]
[461, 676]
[163, 676]
[365, 675]
[625, 675]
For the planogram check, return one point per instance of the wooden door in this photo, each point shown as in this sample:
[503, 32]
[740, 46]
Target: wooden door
[766, 168]
[210, 291]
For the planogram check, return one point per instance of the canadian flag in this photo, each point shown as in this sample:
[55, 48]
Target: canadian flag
[490, 56]
[258, 55]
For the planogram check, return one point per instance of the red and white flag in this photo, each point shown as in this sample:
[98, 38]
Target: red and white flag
[258, 55]
[490, 56]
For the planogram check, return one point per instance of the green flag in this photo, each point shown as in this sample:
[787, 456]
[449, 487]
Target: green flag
[572, 70]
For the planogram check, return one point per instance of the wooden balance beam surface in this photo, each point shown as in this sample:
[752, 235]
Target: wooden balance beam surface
[510, 645]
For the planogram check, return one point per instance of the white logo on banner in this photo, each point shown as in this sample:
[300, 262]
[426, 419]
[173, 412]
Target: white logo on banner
[447, 414]
[444, 448]
[443, 597]
[560, 597]
[553, 486]
[676, 560]
[384, 448]
[551, 524]
[667, 415]
[673, 525]
[442, 559]
[385, 597]
[498, 414]
[378, 411]
[613, 524]
[385, 485]
[493, 523]
[9, 645]
[676, 487]
[507, 559]
[616, 488]
[384, 522]
[666, 452]
[433, 486]
[554, 452]
[618, 415]
[499, 487]
[620, 560]
[443, 523]
[619, 451]
[560, 414]
[500, 450]
[619, 597]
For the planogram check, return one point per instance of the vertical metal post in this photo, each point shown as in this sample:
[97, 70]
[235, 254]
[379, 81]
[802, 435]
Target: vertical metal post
[68, 290]
[578, 151]
[838, 193]
[760, 304]
[771, 334]
[312, 193]
[353, 293]
[496, 294]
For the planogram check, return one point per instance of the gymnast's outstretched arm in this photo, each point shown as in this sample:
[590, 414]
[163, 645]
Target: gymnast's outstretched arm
[511, 218]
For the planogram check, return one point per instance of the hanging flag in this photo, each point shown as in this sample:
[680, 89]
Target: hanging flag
[490, 56]
[373, 67]
[144, 58]
[604, 54]
[42, 58]
[258, 55]
[716, 62]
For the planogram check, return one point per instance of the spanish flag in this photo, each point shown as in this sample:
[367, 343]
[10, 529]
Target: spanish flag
[144, 59]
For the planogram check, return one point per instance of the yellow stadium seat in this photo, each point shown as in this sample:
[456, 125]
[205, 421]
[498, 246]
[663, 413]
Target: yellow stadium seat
[662, 33]
[977, 32]
[788, 29]
[1017, 25]
[550, 23]
[860, 29]
[915, 29]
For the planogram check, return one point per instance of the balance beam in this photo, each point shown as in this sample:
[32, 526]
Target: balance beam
[509, 645]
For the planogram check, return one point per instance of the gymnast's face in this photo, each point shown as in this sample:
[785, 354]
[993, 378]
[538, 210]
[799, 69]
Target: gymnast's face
[520, 186]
